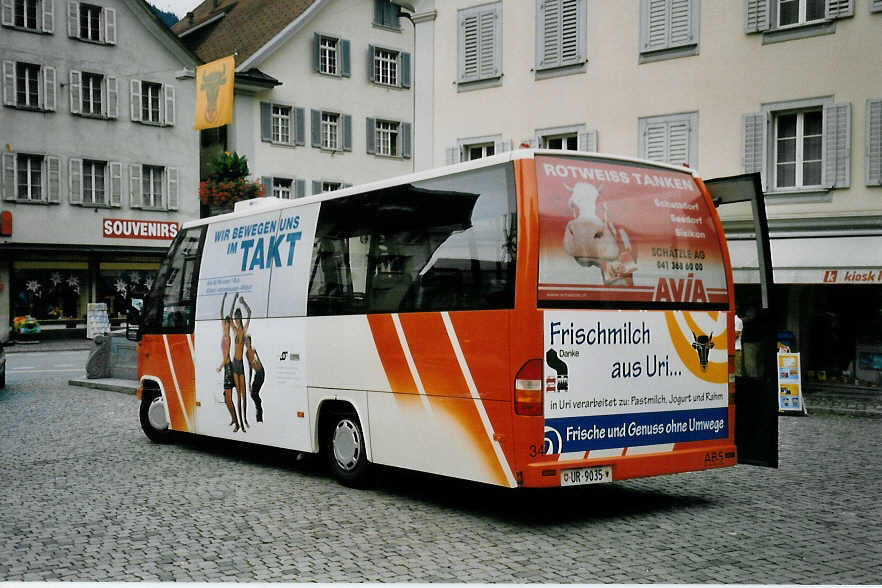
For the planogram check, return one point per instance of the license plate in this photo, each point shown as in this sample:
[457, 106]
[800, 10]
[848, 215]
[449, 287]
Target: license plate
[581, 476]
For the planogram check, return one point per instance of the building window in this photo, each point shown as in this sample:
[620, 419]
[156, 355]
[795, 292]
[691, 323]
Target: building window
[668, 26]
[93, 182]
[785, 20]
[27, 85]
[26, 13]
[331, 55]
[798, 154]
[566, 142]
[568, 138]
[387, 138]
[330, 132]
[670, 139]
[386, 14]
[331, 186]
[797, 12]
[151, 181]
[96, 95]
[480, 43]
[386, 67]
[150, 100]
[282, 188]
[92, 93]
[560, 33]
[478, 151]
[90, 22]
[328, 56]
[30, 177]
[281, 124]
[476, 148]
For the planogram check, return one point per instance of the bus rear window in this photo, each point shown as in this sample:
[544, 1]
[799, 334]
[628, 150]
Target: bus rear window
[622, 234]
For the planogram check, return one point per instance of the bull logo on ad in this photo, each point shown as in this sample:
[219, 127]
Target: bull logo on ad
[595, 241]
[702, 344]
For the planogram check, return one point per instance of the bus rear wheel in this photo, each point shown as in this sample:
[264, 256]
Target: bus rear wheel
[345, 450]
[154, 422]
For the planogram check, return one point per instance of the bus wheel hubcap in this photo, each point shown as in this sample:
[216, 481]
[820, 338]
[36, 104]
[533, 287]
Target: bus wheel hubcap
[156, 414]
[347, 444]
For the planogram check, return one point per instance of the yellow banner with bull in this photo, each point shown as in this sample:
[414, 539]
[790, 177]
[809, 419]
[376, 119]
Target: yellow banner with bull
[214, 93]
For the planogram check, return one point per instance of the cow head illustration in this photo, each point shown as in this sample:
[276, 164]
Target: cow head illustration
[702, 344]
[588, 237]
[211, 83]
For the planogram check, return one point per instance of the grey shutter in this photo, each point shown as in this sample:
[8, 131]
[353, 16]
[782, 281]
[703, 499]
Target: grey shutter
[173, 177]
[169, 105]
[266, 121]
[406, 140]
[753, 140]
[112, 97]
[299, 188]
[548, 33]
[560, 32]
[73, 19]
[490, 46]
[136, 196]
[299, 126]
[756, 16]
[654, 15]
[109, 25]
[49, 96]
[837, 137]
[683, 24]
[316, 187]
[588, 141]
[370, 135]
[346, 69]
[53, 178]
[9, 83]
[876, 6]
[468, 48]
[874, 142]
[8, 187]
[839, 8]
[6, 14]
[267, 182]
[48, 16]
[114, 169]
[678, 143]
[372, 77]
[479, 42]
[379, 11]
[316, 127]
[75, 180]
[316, 52]
[454, 155]
[76, 89]
[655, 142]
[347, 132]
[405, 69]
[135, 99]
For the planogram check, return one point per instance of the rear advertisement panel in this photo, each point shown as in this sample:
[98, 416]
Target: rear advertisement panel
[616, 379]
[625, 232]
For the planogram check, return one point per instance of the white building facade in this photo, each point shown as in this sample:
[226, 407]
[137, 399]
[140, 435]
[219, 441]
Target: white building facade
[99, 159]
[789, 88]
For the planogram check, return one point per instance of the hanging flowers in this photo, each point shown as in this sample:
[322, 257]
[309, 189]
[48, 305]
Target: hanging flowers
[226, 184]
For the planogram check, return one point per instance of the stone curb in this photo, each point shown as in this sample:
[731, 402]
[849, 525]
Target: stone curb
[110, 384]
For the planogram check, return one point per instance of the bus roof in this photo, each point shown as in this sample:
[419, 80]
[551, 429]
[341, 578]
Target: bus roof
[256, 205]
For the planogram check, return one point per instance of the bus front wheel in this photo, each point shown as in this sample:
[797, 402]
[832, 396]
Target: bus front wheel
[346, 451]
[153, 417]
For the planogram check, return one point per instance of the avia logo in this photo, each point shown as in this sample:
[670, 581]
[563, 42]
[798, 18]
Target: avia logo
[688, 289]
[560, 382]
[702, 344]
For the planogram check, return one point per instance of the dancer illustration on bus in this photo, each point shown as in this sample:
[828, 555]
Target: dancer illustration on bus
[240, 331]
[257, 376]
[226, 365]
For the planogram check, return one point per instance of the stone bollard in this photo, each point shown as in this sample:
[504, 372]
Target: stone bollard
[98, 364]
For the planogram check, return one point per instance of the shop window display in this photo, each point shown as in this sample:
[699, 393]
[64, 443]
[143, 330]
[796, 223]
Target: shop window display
[118, 287]
[50, 294]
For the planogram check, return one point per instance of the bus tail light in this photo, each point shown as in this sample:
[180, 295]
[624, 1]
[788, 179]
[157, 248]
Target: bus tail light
[528, 389]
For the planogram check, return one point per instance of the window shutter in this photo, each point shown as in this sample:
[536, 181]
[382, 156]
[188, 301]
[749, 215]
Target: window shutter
[453, 155]
[372, 77]
[405, 69]
[874, 142]
[347, 132]
[9, 83]
[371, 135]
[316, 51]
[683, 23]
[547, 33]
[53, 179]
[316, 127]
[136, 196]
[756, 16]
[115, 172]
[267, 182]
[169, 105]
[174, 186]
[654, 16]
[299, 188]
[406, 139]
[75, 180]
[839, 8]
[73, 19]
[379, 11]
[837, 136]
[299, 124]
[344, 58]
[316, 187]
[655, 142]
[753, 140]
[876, 6]
[587, 141]
[135, 99]
[8, 187]
[76, 101]
[489, 42]
[678, 143]
[468, 48]
[501, 147]
[112, 97]
[48, 16]
[109, 25]
[479, 42]
[6, 14]
[266, 121]
[49, 95]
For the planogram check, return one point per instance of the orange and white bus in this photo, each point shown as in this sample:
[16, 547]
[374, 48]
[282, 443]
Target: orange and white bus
[537, 318]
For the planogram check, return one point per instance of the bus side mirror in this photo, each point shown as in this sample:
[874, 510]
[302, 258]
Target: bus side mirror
[133, 320]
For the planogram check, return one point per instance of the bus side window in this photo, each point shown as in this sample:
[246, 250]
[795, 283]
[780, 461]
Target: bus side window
[171, 305]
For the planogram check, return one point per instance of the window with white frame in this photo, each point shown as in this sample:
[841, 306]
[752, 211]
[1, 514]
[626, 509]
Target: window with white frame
[93, 182]
[29, 86]
[387, 138]
[799, 146]
[669, 26]
[94, 94]
[566, 141]
[29, 177]
[796, 12]
[92, 91]
[151, 98]
[567, 138]
[36, 16]
[330, 186]
[29, 182]
[27, 13]
[330, 130]
[153, 186]
[331, 55]
[478, 151]
[328, 55]
[281, 124]
[151, 181]
[561, 35]
[670, 138]
[152, 102]
[480, 43]
[783, 20]
[385, 67]
[282, 188]
[91, 22]
[476, 148]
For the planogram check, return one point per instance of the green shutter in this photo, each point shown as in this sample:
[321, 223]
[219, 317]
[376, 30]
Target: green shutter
[266, 121]
[316, 130]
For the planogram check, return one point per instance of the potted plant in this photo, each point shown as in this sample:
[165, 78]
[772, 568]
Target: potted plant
[227, 183]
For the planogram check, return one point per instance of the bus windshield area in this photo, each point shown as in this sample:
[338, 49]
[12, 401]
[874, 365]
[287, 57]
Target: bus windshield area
[171, 304]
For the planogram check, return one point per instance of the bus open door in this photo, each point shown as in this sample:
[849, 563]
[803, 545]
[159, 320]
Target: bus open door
[756, 409]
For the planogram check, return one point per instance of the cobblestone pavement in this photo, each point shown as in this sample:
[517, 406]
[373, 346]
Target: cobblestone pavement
[85, 496]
